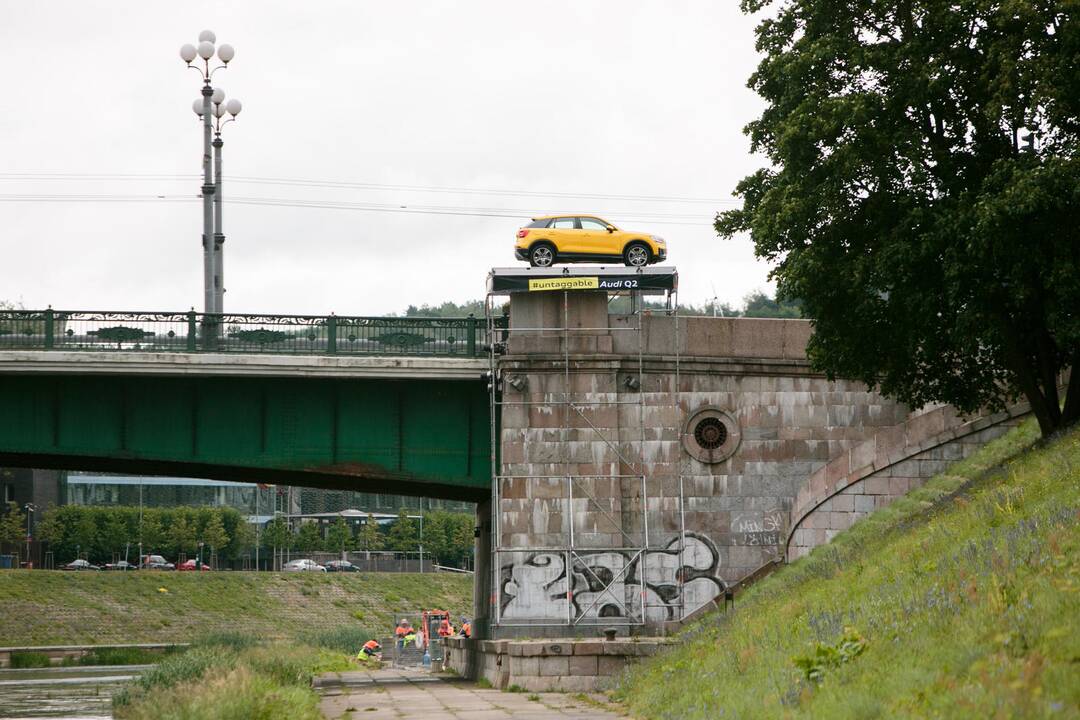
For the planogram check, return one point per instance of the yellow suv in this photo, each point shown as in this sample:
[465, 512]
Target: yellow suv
[585, 238]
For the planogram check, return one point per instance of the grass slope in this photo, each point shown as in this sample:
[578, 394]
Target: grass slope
[44, 608]
[960, 600]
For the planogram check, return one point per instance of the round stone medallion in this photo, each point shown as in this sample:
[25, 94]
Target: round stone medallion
[711, 435]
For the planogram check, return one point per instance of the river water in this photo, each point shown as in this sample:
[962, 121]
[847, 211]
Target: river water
[71, 693]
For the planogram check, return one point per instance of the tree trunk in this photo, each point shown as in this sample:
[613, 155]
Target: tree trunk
[1070, 415]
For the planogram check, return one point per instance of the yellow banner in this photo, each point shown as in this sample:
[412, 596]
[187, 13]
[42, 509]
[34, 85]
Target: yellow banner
[564, 283]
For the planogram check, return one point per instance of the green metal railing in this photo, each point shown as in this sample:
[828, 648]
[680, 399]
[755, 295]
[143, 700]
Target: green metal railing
[275, 334]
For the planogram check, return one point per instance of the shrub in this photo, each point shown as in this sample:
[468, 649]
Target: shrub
[29, 660]
[348, 639]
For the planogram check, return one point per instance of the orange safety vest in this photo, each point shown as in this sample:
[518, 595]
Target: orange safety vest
[446, 629]
[466, 629]
[399, 631]
[371, 646]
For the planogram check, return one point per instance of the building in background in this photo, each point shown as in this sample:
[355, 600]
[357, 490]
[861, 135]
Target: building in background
[50, 487]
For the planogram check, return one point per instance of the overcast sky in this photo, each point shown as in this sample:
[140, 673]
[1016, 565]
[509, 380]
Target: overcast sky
[581, 99]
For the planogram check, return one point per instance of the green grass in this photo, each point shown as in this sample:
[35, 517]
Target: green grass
[59, 608]
[23, 660]
[223, 678]
[960, 600]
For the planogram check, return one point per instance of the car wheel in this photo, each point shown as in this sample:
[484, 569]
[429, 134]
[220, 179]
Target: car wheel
[542, 255]
[637, 254]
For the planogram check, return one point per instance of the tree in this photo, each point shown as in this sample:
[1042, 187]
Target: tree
[462, 539]
[403, 535]
[152, 534]
[923, 199]
[437, 535]
[182, 533]
[243, 539]
[276, 535]
[50, 528]
[339, 537]
[84, 532]
[13, 527]
[213, 533]
[759, 305]
[370, 539]
[309, 539]
[113, 533]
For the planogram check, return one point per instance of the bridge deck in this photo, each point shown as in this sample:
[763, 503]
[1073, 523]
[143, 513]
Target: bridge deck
[234, 364]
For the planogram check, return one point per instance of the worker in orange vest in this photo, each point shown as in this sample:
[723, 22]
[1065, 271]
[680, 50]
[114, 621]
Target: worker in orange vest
[445, 628]
[401, 631]
[466, 628]
[371, 650]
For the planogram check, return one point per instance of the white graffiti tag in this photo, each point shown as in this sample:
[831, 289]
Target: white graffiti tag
[658, 585]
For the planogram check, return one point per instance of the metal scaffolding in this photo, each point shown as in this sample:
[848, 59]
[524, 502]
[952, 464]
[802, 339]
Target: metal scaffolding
[607, 600]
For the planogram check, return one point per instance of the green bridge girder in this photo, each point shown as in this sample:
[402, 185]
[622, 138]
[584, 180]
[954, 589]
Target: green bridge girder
[403, 436]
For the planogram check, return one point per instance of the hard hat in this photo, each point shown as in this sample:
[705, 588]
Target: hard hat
[403, 622]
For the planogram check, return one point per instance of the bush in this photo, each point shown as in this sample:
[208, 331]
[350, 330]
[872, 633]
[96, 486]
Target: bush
[348, 639]
[29, 660]
[123, 656]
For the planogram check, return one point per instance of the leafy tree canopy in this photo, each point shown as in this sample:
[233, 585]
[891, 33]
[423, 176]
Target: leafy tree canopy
[923, 198]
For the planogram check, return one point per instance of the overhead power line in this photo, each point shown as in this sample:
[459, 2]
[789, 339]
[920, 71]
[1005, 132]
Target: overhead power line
[516, 213]
[350, 185]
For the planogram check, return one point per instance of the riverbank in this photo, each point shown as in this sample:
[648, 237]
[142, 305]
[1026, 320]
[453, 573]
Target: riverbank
[961, 599]
[40, 607]
[230, 677]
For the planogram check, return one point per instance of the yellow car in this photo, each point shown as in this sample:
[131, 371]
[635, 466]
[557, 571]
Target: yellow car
[585, 238]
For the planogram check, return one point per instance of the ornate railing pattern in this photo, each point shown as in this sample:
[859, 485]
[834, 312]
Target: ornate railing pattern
[276, 334]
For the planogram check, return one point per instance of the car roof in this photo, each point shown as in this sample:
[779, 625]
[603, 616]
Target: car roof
[564, 215]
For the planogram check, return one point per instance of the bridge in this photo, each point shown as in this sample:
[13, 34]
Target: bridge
[394, 403]
[629, 468]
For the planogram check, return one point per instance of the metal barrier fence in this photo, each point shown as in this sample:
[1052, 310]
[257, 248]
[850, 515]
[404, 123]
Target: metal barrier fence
[233, 333]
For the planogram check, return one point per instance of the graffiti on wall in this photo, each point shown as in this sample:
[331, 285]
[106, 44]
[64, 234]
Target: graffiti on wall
[612, 584]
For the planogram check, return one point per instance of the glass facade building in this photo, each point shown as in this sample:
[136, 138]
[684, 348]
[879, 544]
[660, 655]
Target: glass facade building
[251, 499]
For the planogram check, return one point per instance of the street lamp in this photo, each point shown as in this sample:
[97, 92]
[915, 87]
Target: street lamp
[221, 109]
[29, 518]
[205, 51]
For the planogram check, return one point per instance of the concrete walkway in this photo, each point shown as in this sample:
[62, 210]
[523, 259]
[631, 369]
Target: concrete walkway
[417, 694]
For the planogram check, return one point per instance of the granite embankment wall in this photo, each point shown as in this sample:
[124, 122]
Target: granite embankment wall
[644, 471]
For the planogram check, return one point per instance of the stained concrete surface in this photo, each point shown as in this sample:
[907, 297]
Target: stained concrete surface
[416, 694]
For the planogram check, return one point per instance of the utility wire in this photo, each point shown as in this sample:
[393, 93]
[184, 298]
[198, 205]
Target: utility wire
[517, 213]
[301, 182]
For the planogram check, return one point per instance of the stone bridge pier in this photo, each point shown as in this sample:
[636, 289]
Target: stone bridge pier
[647, 463]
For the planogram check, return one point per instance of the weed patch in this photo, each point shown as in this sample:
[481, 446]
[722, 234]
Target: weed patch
[29, 660]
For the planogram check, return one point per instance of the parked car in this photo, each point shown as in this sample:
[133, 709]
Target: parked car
[341, 566]
[303, 565]
[585, 238]
[189, 565]
[119, 565]
[155, 562]
[79, 565]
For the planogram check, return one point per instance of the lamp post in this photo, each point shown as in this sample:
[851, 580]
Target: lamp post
[29, 518]
[205, 50]
[220, 109]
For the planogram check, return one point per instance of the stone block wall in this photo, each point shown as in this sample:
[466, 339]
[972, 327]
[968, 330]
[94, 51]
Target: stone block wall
[546, 666]
[612, 509]
[576, 440]
[885, 467]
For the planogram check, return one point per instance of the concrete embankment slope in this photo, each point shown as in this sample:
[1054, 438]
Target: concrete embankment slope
[961, 599]
[55, 608]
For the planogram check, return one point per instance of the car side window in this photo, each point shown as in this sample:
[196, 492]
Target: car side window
[565, 223]
[592, 224]
[539, 223]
